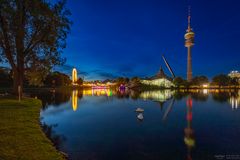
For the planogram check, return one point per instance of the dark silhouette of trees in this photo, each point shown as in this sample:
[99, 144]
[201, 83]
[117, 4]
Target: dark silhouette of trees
[199, 80]
[80, 81]
[57, 79]
[234, 81]
[134, 82]
[179, 81]
[221, 80]
[5, 78]
[121, 80]
[32, 35]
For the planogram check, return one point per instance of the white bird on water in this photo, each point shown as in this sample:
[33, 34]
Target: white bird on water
[140, 116]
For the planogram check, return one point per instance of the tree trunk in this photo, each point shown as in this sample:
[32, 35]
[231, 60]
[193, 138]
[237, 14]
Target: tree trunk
[19, 40]
[18, 82]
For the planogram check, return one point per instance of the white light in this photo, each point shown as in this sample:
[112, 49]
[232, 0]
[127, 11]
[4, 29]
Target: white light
[205, 85]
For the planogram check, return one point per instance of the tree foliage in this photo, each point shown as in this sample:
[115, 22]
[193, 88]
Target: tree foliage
[32, 36]
[221, 80]
[57, 79]
[179, 81]
[199, 80]
[80, 81]
[122, 80]
[5, 78]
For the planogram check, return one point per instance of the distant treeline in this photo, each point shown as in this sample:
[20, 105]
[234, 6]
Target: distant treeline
[53, 79]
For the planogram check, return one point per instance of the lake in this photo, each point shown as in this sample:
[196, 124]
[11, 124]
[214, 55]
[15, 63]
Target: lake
[102, 124]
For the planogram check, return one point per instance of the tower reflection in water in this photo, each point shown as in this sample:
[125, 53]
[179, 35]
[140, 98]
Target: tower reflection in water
[74, 100]
[189, 139]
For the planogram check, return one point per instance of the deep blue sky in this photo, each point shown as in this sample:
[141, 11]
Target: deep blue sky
[111, 38]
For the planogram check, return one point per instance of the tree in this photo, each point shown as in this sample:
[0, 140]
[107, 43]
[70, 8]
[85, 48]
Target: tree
[5, 78]
[32, 36]
[221, 80]
[234, 81]
[135, 79]
[134, 82]
[57, 79]
[80, 81]
[179, 81]
[121, 80]
[199, 80]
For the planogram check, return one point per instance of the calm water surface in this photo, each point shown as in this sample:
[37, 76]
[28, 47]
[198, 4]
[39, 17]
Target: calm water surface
[103, 124]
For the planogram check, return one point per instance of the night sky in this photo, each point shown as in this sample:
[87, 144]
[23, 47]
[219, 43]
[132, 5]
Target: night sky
[111, 38]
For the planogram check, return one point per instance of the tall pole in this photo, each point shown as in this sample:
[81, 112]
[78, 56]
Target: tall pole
[189, 65]
[189, 42]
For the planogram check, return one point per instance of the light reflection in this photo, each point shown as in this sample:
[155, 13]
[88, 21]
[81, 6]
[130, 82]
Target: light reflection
[168, 110]
[160, 95]
[188, 138]
[235, 100]
[98, 92]
[74, 100]
[205, 91]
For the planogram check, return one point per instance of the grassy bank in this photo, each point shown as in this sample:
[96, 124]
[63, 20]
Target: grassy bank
[21, 136]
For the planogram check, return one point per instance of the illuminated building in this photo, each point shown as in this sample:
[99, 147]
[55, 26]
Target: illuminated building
[189, 42]
[74, 76]
[234, 74]
[160, 80]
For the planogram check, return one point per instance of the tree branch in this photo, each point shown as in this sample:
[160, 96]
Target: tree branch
[7, 48]
[34, 35]
[31, 47]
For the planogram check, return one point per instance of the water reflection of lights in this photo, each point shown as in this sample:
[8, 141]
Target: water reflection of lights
[234, 101]
[188, 138]
[74, 100]
[160, 96]
[98, 92]
[205, 91]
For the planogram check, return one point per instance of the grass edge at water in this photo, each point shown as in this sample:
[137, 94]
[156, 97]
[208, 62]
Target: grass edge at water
[21, 134]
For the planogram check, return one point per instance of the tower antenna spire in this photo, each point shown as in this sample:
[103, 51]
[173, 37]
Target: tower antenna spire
[189, 18]
[189, 42]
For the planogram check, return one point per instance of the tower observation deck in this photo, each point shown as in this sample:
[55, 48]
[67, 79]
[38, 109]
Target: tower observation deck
[189, 42]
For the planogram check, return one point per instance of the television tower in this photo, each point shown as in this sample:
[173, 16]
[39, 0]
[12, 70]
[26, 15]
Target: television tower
[189, 42]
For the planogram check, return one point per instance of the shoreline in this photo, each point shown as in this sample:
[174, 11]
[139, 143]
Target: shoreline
[144, 87]
[21, 131]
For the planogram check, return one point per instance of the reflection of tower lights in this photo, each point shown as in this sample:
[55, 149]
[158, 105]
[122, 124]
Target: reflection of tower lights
[74, 100]
[188, 139]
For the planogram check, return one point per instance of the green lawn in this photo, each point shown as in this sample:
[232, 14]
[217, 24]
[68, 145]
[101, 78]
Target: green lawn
[21, 137]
